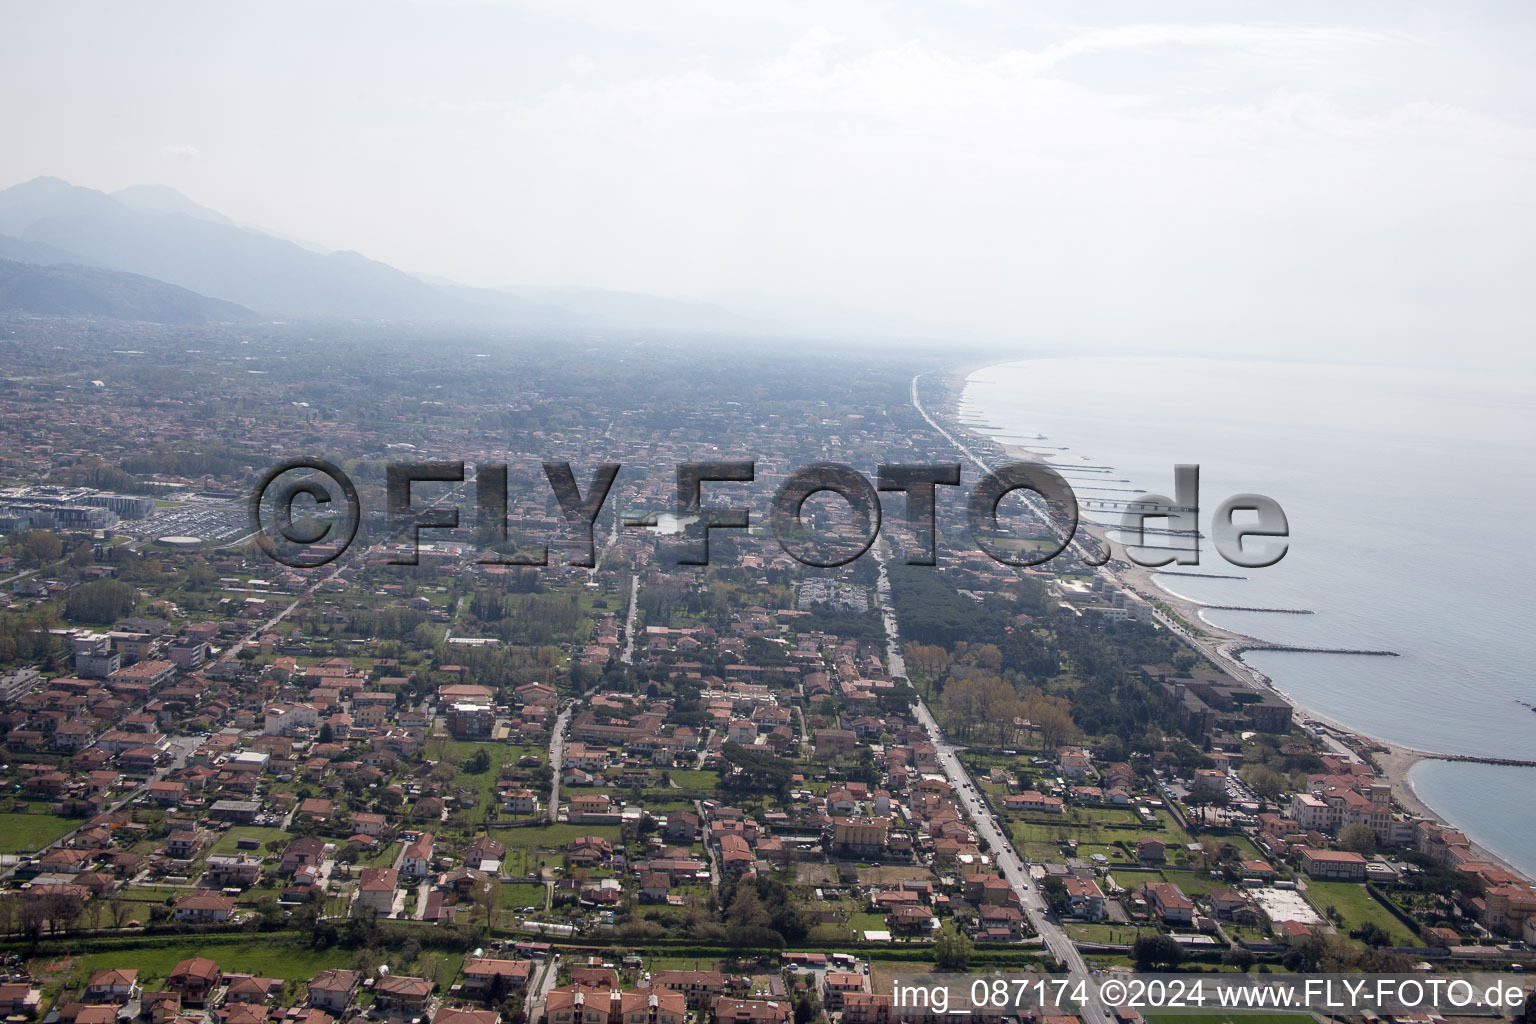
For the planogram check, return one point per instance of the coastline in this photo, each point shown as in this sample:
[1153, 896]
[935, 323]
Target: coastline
[1394, 763]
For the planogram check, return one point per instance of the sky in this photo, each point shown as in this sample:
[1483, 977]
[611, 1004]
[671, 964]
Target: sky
[1297, 180]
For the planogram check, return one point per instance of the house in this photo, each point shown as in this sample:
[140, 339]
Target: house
[1333, 865]
[752, 1011]
[484, 976]
[839, 984]
[682, 827]
[453, 1015]
[205, 906]
[1169, 903]
[1033, 800]
[194, 979]
[697, 987]
[402, 992]
[588, 851]
[860, 836]
[521, 801]
[417, 862]
[164, 793]
[333, 990]
[316, 809]
[305, 851]
[579, 1004]
[245, 988]
[1151, 851]
[655, 886]
[1085, 898]
[183, 845]
[111, 985]
[20, 1000]
[1000, 924]
[910, 920]
[376, 893]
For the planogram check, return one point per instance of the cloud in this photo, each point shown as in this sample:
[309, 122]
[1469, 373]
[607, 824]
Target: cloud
[183, 152]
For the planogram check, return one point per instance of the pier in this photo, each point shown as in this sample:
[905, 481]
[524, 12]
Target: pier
[1249, 608]
[1242, 649]
[1507, 762]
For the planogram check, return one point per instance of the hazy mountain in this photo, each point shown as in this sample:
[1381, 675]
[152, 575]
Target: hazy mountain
[68, 290]
[40, 253]
[164, 199]
[155, 231]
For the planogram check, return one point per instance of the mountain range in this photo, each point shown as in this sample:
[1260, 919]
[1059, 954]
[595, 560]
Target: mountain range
[68, 250]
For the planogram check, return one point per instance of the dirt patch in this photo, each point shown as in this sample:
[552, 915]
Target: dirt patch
[890, 874]
[815, 874]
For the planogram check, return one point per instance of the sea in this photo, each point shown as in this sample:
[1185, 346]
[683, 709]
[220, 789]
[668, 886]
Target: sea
[1409, 494]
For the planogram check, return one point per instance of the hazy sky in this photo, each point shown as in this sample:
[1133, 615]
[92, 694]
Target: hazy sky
[1296, 178]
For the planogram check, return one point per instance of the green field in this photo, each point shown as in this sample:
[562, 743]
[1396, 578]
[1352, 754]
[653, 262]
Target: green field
[522, 894]
[28, 833]
[1358, 906]
[1193, 881]
[552, 837]
[693, 778]
[265, 957]
[227, 842]
[1108, 934]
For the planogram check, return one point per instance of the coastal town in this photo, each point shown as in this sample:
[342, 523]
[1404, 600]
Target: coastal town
[437, 779]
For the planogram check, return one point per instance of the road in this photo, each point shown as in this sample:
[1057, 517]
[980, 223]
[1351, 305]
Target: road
[628, 657]
[541, 989]
[557, 760]
[1014, 868]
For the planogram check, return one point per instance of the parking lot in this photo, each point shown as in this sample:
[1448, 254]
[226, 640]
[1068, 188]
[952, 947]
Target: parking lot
[210, 519]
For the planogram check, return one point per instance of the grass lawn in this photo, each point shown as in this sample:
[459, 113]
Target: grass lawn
[867, 921]
[266, 957]
[552, 837]
[522, 894]
[227, 842]
[1358, 906]
[1108, 934]
[693, 778]
[1194, 882]
[28, 833]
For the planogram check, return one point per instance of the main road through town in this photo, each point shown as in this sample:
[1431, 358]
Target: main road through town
[1015, 869]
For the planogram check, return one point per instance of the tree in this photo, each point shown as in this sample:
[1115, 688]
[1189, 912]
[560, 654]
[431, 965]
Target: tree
[99, 601]
[479, 763]
[1240, 958]
[951, 949]
[1266, 782]
[1055, 892]
[1152, 951]
[327, 734]
[1358, 838]
[41, 546]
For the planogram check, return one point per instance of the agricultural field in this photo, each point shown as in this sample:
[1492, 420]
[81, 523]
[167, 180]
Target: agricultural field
[1357, 906]
[28, 833]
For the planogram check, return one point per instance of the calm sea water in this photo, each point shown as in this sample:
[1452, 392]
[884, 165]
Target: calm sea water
[1410, 494]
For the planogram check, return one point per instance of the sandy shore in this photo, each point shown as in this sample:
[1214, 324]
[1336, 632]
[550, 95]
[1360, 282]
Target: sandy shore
[1394, 763]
